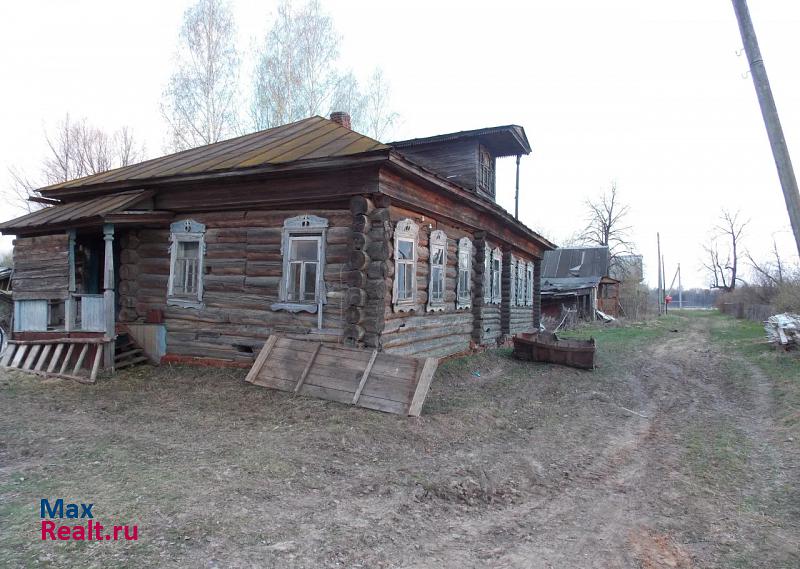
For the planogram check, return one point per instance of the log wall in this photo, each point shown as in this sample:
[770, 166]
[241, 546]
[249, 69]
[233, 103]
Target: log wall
[422, 333]
[243, 267]
[41, 267]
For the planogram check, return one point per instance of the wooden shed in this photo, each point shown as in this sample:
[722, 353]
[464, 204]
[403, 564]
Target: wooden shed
[308, 230]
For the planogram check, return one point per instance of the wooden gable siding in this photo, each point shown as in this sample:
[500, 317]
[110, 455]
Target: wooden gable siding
[312, 190]
[422, 333]
[457, 160]
[243, 270]
[41, 267]
[451, 208]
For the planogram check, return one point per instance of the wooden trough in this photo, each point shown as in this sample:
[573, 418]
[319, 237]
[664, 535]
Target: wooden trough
[63, 357]
[367, 378]
[547, 347]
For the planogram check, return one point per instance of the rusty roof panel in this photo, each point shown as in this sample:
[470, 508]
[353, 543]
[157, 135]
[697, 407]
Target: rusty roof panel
[310, 138]
[76, 211]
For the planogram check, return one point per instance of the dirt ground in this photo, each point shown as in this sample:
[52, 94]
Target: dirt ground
[680, 451]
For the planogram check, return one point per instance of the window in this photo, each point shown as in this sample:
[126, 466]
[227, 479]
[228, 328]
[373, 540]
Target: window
[404, 294]
[464, 286]
[512, 281]
[497, 267]
[302, 287]
[521, 283]
[438, 266]
[487, 275]
[486, 172]
[187, 249]
[529, 280]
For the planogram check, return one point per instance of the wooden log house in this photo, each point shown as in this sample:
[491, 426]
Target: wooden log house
[308, 230]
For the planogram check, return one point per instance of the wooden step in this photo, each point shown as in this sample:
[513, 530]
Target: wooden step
[131, 362]
[127, 354]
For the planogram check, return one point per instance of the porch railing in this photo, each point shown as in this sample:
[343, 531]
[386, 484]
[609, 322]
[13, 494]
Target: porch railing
[77, 313]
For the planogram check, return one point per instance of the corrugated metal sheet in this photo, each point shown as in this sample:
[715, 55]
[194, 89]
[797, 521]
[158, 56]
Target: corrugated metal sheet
[581, 262]
[30, 315]
[310, 138]
[76, 211]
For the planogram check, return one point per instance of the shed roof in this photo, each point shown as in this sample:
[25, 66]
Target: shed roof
[307, 139]
[509, 140]
[74, 212]
[571, 262]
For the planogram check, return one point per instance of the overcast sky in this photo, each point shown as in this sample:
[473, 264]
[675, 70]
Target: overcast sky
[649, 94]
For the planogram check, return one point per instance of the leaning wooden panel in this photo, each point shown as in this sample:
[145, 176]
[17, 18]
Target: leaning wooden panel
[366, 378]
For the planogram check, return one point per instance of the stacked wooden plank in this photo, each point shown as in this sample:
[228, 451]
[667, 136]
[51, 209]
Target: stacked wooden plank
[367, 378]
[71, 358]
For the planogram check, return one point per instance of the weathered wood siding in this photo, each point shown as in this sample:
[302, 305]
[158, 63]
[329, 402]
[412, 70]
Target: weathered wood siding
[41, 267]
[243, 267]
[457, 161]
[422, 333]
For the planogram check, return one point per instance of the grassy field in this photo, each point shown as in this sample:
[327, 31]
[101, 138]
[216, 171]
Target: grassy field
[677, 451]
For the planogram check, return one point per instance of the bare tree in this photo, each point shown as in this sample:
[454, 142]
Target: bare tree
[200, 101]
[379, 119]
[75, 149]
[770, 272]
[606, 225]
[296, 75]
[724, 266]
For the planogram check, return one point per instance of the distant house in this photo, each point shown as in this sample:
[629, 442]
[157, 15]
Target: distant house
[577, 278]
[308, 229]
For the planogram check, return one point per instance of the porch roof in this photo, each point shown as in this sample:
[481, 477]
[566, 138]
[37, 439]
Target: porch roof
[85, 211]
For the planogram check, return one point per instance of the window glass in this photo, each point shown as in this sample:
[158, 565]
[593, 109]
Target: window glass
[304, 249]
[405, 250]
[303, 268]
[186, 265]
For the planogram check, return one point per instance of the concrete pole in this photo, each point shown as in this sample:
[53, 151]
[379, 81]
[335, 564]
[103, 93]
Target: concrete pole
[780, 151]
[658, 241]
[680, 288]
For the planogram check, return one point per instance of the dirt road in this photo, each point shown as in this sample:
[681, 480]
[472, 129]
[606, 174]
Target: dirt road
[671, 454]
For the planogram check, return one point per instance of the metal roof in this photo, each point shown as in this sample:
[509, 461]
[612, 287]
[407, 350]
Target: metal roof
[570, 262]
[307, 139]
[509, 140]
[73, 212]
[552, 285]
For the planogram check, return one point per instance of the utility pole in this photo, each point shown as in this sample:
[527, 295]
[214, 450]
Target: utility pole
[680, 289]
[664, 284]
[660, 278]
[780, 151]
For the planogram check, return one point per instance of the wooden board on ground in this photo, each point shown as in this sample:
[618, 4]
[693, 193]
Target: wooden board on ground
[367, 378]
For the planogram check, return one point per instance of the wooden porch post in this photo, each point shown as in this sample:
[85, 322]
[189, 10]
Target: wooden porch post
[108, 293]
[69, 303]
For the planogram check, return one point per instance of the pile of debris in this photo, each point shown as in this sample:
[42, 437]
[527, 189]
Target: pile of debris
[783, 329]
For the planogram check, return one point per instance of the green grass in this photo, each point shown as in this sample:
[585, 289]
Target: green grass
[748, 340]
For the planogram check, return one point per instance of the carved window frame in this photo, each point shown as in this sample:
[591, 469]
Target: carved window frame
[487, 274]
[522, 284]
[497, 276]
[512, 281]
[302, 228]
[529, 279]
[437, 242]
[405, 230]
[464, 296]
[186, 231]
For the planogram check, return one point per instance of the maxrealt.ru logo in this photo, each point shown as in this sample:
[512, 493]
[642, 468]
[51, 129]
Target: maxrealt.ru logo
[90, 531]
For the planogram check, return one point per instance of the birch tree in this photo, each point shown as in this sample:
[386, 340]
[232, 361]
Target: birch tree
[200, 101]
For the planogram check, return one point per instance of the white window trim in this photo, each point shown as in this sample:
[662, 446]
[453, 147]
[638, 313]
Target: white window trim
[487, 275]
[186, 230]
[522, 284]
[406, 230]
[464, 264]
[512, 282]
[497, 291]
[529, 278]
[437, 240]
[303, 226]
